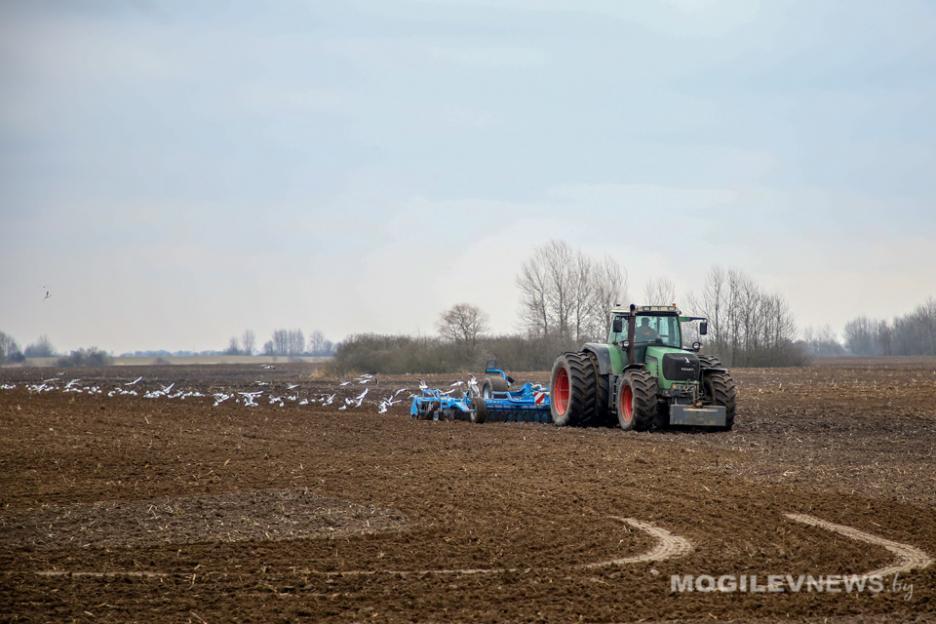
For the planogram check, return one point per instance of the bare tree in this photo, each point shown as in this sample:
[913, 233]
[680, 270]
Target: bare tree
[463, 323]
[41, 348]
[319, 344]
[566, 294]
[9, 350]
[746, 325]
[559, 259]
[608, 289]
[910, 334]
[659, 291]
[269, 348]
[248, 342]
[233, 347]
[533, 282]
[295, 342]
[280, 341]
[861, 336]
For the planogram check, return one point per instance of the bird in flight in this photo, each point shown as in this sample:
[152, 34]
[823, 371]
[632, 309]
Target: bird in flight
[47, 293]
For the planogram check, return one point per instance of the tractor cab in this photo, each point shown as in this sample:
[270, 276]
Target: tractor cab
[651, 332]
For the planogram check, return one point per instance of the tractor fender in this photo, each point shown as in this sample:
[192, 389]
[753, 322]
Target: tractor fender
[602, 352]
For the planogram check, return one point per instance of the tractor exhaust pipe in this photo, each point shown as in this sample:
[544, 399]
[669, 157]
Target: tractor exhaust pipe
[631, 333]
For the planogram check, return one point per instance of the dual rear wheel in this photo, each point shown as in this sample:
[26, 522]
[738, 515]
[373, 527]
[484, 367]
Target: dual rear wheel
[578, 392]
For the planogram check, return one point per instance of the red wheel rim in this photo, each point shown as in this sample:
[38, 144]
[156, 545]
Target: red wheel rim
[560, 392]
[627, 404]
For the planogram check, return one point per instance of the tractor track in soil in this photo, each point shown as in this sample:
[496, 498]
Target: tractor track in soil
[849, 443]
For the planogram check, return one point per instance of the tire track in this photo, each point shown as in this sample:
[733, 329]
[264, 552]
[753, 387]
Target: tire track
[908, 557]
[668, 546]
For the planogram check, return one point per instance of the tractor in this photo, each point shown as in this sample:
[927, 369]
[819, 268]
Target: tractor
[643, 377]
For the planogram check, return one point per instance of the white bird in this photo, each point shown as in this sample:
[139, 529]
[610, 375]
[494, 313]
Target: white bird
[344, 383]
[422, 385]
[399, 391]
[342, 408]
[134, 382]
[361, 396]
[382, 408]
[250, 398]
[456, 384]
[292, 386]
[328, 400]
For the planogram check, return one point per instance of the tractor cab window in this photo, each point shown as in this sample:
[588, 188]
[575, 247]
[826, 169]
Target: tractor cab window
[659, 330]
[618, 336]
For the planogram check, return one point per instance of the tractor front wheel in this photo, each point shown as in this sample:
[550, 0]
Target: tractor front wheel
[573, 390]
[720, 389]
[636, 400]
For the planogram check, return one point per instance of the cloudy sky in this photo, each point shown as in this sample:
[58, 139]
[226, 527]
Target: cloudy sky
[176, 172]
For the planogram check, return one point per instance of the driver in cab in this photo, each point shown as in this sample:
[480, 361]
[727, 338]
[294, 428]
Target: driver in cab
[645, 333]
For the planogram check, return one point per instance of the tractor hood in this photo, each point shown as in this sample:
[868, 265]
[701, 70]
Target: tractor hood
[673, 364]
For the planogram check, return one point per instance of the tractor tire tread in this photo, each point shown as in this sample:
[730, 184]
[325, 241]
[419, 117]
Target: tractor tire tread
[724, 392]
[644, 387]
[582, 388]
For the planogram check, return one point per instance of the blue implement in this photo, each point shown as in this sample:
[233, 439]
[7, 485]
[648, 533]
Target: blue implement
[528, 403]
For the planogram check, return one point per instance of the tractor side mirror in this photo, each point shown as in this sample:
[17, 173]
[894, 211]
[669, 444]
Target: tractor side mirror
[617, 326]
[703, 328]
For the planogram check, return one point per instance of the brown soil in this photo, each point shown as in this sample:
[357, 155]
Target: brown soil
[131, 509]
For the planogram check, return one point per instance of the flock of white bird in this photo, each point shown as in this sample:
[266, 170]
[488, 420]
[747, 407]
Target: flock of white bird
[248, 398]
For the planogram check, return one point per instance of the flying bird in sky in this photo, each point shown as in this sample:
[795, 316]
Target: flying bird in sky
[47, 293]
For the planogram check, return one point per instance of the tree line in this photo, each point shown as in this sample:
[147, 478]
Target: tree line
[747, 325]
[565, 299]
[911, 334]
[10, 353]
[10, 350]
[283, 342]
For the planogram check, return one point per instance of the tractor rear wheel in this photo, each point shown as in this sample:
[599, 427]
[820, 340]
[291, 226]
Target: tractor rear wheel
[574, 389]
[602, 415]
[720, 389]
[636, 400]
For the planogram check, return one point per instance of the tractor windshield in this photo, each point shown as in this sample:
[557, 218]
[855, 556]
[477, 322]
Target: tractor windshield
[659, 330]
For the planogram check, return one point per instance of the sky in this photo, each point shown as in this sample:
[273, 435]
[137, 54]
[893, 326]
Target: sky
[176, 172]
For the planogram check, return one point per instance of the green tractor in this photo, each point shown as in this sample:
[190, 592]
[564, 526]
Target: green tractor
[643, 377]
